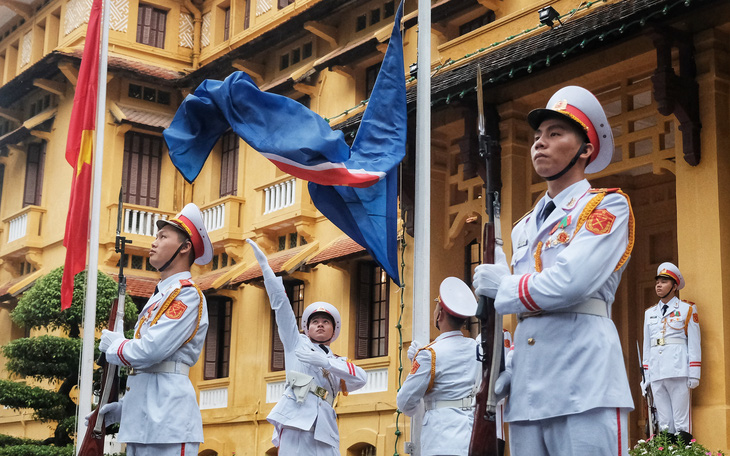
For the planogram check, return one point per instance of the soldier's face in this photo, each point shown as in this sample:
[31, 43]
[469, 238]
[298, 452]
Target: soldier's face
[321, 328]
[164, 246]
[663, 286]
[555, 144]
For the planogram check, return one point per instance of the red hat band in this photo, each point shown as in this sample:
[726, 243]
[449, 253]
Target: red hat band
[577, 115]
[667, 272]
[192, 231]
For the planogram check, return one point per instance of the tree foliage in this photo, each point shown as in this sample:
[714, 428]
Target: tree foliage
[53, 358]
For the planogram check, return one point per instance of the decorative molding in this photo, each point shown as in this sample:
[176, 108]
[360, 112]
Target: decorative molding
[205, 34]
[77, 13]
[119, 15]
[186, 31]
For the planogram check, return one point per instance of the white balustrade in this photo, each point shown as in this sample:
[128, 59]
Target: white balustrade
[279, 196]
[18, 227]
[137, 221]
[214, 217]
[377, 381]
[274, 391]
[214, 398]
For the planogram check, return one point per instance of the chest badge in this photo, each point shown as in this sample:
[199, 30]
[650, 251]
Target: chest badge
[561, 224]
[600, 221]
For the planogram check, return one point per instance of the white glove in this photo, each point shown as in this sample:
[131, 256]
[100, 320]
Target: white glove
[502, 385]
[108, 338]
[693, 383]
[111, 413]
[314, 357]
[487, 277]
[643, 385]
[271, 282]
[415, 345]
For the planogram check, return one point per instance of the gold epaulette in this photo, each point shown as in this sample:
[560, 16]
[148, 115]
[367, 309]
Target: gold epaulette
[170, 299]
[605, 190]
[591, 206]
[433, 363]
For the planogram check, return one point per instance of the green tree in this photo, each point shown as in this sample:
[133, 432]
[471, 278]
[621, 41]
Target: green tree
[51, 358]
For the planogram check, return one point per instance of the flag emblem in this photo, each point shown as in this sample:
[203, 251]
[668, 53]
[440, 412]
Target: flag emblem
[600, 221]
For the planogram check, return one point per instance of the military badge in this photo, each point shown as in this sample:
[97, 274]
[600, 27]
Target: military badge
[562, 237]
[560, 105]
[176, 310]
[696, 318]
[561, 224]
[414, 367]
[600, 221]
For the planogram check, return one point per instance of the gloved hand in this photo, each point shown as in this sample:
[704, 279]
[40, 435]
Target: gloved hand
[107, 339]
[502, 385]
[415, 345]
[111, 413]
[644, 385]
[271, 282]
[487, 277]
[314, 357]
[693, 383]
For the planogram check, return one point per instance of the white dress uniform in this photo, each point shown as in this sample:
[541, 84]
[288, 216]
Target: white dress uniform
[447, 392]
[314, 416]
[160, 405]
[445, 374]
[672, 354]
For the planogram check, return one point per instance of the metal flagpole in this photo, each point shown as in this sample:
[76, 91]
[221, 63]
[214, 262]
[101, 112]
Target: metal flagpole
[422, 231]
[87, 348]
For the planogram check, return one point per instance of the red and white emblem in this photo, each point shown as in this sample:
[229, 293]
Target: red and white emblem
[600, 221]
[176, 310]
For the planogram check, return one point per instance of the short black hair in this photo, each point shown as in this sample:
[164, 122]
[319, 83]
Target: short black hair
[454, 322]
[182, 236]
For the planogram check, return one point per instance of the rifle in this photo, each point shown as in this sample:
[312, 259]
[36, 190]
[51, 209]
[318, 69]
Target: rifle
[93, 443]
[484, 440]
[649, 398]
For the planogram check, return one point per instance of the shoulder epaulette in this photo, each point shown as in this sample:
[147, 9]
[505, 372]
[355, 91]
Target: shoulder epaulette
[186, 283]
[604, 190]
[688, 302]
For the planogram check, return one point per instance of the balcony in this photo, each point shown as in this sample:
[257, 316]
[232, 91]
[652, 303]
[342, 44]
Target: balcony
[223, 218]
[284, 204]
[22, 231]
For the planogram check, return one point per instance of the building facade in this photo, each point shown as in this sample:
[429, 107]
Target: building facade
[661, 69]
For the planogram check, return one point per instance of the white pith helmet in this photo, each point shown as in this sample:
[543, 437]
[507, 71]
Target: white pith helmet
[323, 307]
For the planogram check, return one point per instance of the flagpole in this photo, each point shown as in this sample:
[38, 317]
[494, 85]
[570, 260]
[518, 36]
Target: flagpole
[422, 231]
[87, 350]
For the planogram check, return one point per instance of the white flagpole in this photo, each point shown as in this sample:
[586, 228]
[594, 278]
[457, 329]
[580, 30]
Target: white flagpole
[87, 348]
[422, 231]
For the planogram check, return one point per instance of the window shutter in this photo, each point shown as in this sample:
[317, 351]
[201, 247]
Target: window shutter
[229, 164]
[141, 169]
[277, 347]
[2, 178]
[247, 17]
[362, 343]
[225, 351]
[160, 28]
[34, 174]
[211, 342]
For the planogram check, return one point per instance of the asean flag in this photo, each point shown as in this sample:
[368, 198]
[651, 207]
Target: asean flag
[79, 152]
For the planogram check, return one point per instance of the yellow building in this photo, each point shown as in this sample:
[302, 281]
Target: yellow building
[661, 68]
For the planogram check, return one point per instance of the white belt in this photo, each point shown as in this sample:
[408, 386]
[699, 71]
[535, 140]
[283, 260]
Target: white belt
[668, 341]
[464, 404]
[165, 367]
[593, 306]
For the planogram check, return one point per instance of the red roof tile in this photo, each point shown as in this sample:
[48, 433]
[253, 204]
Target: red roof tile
[5, 288]
[205, 281]
[138, 287]
[144, 117]
[339, 248]
[124, 63]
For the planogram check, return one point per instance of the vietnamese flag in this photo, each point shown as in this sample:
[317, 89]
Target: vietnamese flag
[79, 152]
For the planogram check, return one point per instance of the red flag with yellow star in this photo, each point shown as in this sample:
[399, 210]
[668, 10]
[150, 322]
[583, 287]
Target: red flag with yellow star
[79, 152]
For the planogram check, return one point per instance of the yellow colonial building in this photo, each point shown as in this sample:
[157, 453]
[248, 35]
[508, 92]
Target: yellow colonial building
[661, 69]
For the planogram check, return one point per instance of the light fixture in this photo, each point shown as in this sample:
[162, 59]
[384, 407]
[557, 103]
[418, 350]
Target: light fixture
[548, 15]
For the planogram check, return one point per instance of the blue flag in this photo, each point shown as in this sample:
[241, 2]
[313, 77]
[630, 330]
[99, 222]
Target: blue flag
[355, 188]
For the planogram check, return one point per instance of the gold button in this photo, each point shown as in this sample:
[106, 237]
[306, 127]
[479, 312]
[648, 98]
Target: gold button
[530, 341]
[127, 388]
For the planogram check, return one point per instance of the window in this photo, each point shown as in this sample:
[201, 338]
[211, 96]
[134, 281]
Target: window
[227, 24]
[285, 3]
[295, 55]
[141, 169]
[247, 16]
[476, 23]
[148, 94]
[218, 338]
[2, 177]
[374, 16]
[151, 26]
[34, 174]
[361, 22]
[295, 292]
[229, 164]
[290, 241]
[372, 312]
[371, 74]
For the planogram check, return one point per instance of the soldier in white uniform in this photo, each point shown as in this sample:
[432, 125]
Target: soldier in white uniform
[159, 413]
[305, 423]
[569, 390]
[445, 375]
[672, 354]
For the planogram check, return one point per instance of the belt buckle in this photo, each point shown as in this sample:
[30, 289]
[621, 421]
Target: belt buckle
[133, 371]
[320, 392]
[660, 341]
[524, 315]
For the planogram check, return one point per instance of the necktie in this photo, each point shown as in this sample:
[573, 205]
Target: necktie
[324, 347]
[546, 211]
[664, 308]
[157, 290]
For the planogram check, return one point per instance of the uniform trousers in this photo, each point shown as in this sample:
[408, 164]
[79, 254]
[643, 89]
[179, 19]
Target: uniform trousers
[295, 442]
[672, 401]
[162, 449]
[597, 432]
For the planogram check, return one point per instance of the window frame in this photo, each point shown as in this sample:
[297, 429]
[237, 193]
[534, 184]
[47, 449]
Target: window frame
[217, 353]
[153, 33]
[372, 310]
[34, 167]
[136, 157]
[295, 291]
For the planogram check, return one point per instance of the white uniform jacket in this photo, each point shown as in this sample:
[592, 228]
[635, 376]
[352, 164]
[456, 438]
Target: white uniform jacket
[446, 430]
[679, 331]
[564, 362]
[314, 411]
[162, 407]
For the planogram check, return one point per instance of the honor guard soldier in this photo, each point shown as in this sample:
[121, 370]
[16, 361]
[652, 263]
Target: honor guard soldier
[159, 413]
[305, 423]
[445, 375]
[569, 394]
[672, 355]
